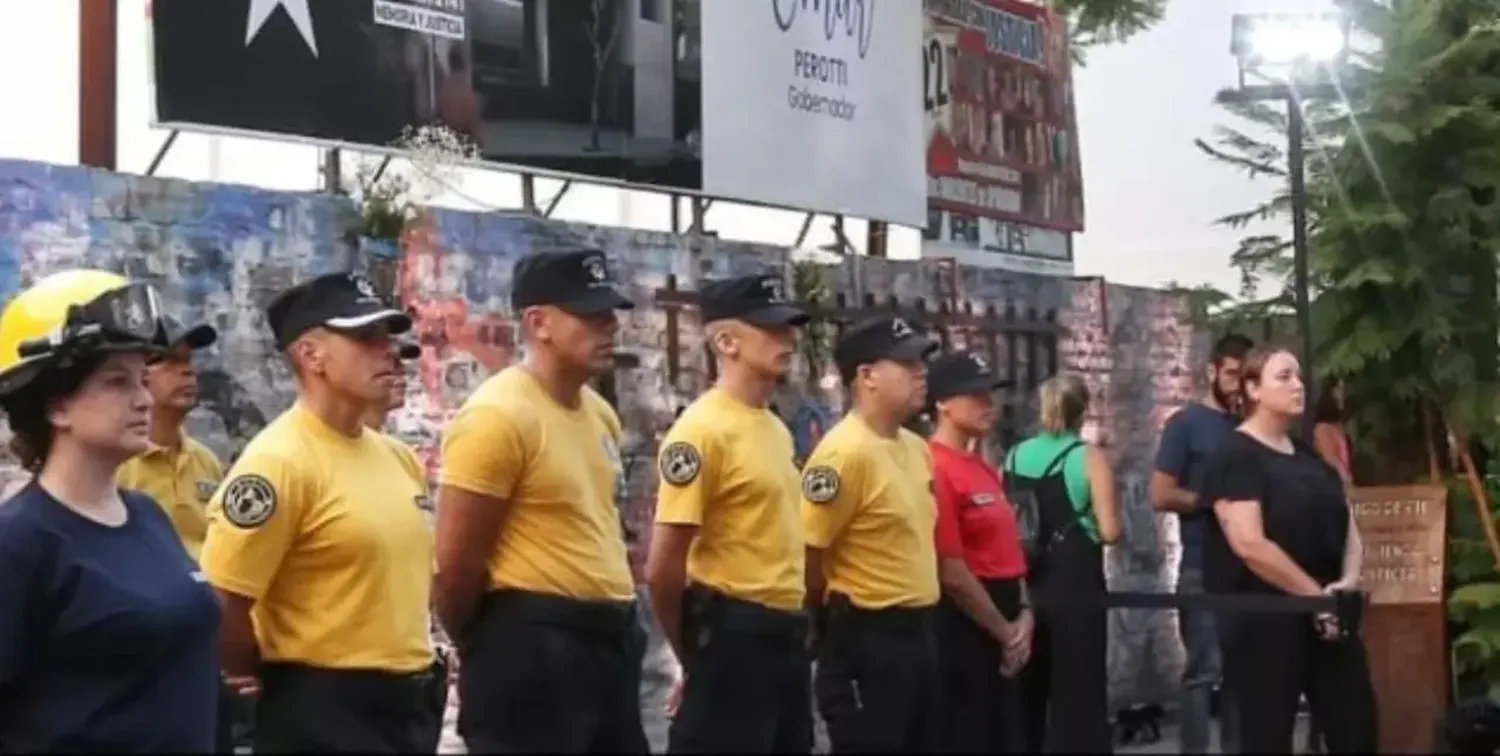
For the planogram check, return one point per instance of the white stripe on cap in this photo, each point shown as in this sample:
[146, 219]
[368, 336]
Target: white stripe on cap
[360, 321]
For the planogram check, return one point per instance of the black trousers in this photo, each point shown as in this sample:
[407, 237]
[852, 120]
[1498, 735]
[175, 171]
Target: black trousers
[1065, 693]
[878, 681]
[305, 709]
[548, 674]
[224, 726]
[749, 679]
[1271, 661]
[982, 708]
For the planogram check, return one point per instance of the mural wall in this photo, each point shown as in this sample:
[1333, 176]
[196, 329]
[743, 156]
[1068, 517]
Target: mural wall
[219, 253]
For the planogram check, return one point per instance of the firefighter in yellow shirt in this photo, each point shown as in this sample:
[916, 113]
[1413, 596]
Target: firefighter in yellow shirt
[533, 579]
[725, 566]
[870, 521]
[318, 548]
[374, 419]
[377, 413]
[177, 471]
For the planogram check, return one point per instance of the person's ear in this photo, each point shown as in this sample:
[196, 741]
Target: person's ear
[535, 321]
[309, 354]
[57, 413]
[725, 343]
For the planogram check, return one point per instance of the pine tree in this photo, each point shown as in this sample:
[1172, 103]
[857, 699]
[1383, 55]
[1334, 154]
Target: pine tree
[1098, 22]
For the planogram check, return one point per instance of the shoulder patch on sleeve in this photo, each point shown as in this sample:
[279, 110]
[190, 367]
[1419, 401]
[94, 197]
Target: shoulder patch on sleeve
[680, 463]
[249, 500]
[820, 484]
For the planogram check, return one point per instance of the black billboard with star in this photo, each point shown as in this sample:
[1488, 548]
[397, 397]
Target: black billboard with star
[537, 85]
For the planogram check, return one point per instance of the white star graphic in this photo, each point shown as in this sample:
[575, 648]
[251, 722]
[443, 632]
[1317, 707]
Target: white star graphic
[260, 10]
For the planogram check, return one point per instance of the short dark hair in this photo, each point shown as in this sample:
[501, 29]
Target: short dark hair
[1231, 346]
[26, 410]
[456, 60]
[1327, 409]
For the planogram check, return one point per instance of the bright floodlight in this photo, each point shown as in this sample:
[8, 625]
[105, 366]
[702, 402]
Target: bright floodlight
[1281, 39]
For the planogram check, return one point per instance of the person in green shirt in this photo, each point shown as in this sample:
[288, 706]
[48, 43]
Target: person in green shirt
[1074, 489]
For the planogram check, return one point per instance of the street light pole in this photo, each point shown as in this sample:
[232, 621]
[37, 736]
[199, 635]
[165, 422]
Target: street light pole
[1301, 287]
[1289, 46]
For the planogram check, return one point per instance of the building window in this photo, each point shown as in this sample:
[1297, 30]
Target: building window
[651, 10]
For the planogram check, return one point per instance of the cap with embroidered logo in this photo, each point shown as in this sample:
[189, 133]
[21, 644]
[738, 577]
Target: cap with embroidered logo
[759, 300]
[961, 374]
[881, 339]
[336, 301]
[578, 281]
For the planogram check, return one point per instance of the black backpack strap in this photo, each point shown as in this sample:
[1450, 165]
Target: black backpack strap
[1010, 460]
[1060, 458]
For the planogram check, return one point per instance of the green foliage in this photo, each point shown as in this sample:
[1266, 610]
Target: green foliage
[1099, 22]
[1258, 149]
[810, 286]
[1406, 257]
[1474, 603]
[384, 203]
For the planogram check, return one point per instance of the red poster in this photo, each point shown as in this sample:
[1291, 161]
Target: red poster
[1002, 136]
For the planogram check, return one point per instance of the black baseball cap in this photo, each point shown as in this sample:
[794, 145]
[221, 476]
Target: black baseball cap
[881, 339]
[758, 300]
[577, 281]
[200, 336]
[336, 301]
[961, 374]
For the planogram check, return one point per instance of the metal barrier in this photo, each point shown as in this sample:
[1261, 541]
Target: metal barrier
[1347, 606]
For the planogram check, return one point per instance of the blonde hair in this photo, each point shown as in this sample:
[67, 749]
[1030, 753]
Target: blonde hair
[1065, 399]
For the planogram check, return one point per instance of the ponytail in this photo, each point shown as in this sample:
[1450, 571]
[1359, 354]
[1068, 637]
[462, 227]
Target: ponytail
[1064, 400]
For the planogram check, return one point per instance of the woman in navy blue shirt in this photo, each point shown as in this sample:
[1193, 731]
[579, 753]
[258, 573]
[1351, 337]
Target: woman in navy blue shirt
[107, 630]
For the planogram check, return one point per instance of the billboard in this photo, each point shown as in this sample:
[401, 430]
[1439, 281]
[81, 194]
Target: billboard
[1002, 136]
[813, 105]
[612, 90]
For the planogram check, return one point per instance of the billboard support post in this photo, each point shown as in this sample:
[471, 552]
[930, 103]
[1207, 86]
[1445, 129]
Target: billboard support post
[875, 239]
[528, 193]
[807, 221]
[97, 83]
[385, 163]
[840, 238]
[700, 209]
[161, 152]
[552, 204]
[675, 211]
[333, 171]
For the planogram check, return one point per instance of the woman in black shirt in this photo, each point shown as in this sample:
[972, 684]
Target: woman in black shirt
[1283, 525]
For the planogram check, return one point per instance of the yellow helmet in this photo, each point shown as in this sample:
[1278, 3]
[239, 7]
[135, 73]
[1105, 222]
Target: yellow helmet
[83, 307]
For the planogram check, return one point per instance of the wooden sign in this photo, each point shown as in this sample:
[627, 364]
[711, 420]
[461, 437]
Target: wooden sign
[1403, 529]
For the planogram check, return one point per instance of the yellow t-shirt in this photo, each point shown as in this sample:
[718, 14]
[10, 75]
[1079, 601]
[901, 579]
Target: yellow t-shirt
[181, 481]
[727, 467]
[556, 467]
[867, 501]
[325, 534]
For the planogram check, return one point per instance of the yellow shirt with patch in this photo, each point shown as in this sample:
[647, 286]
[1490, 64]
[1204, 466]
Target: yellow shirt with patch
[181, 481]
[867, 502]
[325, 534]
[727, 468]
[556, 467]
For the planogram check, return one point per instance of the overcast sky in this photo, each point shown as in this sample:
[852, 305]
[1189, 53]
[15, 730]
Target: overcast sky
[1151, 195]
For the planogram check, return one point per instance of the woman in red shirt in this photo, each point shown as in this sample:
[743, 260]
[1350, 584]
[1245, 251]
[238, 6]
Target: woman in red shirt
[984, 625]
